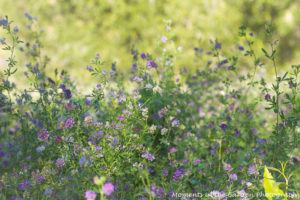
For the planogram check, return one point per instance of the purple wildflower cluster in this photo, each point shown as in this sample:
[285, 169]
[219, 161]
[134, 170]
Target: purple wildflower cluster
[43, 135]
[148, 156]
[205, 127]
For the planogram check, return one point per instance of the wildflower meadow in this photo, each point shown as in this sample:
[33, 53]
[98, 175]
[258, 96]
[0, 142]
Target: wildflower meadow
[217, 130]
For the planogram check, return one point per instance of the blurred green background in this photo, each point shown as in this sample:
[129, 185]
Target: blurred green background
[75, 30]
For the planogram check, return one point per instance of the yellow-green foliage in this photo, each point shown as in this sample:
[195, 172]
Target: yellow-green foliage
[270, 185]
[75, 30]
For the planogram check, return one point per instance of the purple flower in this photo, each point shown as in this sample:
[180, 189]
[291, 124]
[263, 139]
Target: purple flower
[241, 48]
[227, 167]
[173, 150]
[134, 68]
[69, 123]
[48, 191]
[16, 198]
[90, 195]
[69, 106]
[162, 112]
[28, 16]
[89, 68]
[152, 64]
[148, 156]
[175, 122]
[224, 61]
[3, 22]
[224, 126]
[98, 135]
[178, 174]
[60, 162]
[88, 102]
[150, 170]
[218, 45]
[40, 178]
[43, 135]
[261, 141]
[83, 162]
[143, 56]
[165, 172]
[67, 93]
[62, 86]
[164, 39]
[137, 79]
[24, 185]
[98, 148]
[267, 97]
[237, 132]
[252, 169]
[233, 177]
[291, 84]
[121, 118]
[108, 188]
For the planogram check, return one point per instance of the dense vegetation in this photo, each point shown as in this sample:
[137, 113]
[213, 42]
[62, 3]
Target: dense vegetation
[154, 132]
[75, 29]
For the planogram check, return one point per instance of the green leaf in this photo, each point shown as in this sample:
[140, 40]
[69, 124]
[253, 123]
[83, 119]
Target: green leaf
[270, 185]
[265, 52]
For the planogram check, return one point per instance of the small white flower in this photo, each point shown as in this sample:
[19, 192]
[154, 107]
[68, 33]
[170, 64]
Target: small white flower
[148, 87]
[164, 39]
[179, 48]
[164, 131]
[137, 79]
[168, 63]
[40, 148]
[19, 153]
[249, 184]
[157, 89]
[152, 129]
[145, 112]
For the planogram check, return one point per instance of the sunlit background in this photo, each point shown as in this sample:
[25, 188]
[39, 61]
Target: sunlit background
[75, 30]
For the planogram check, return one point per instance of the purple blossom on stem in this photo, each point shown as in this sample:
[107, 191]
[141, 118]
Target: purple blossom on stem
[152, 64]
[43, 135]
[178, 174]
[267, 97]
[67, 93]
[143, 56]
[218, 45]
[223, 127]
[60, 162]
[252, 169]
[175, 123]
[148, 156]
[90, 195]
[173, 150]
[233, 177]
[108, 189]
[69, 123]
[162, 112]
[227, 167]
